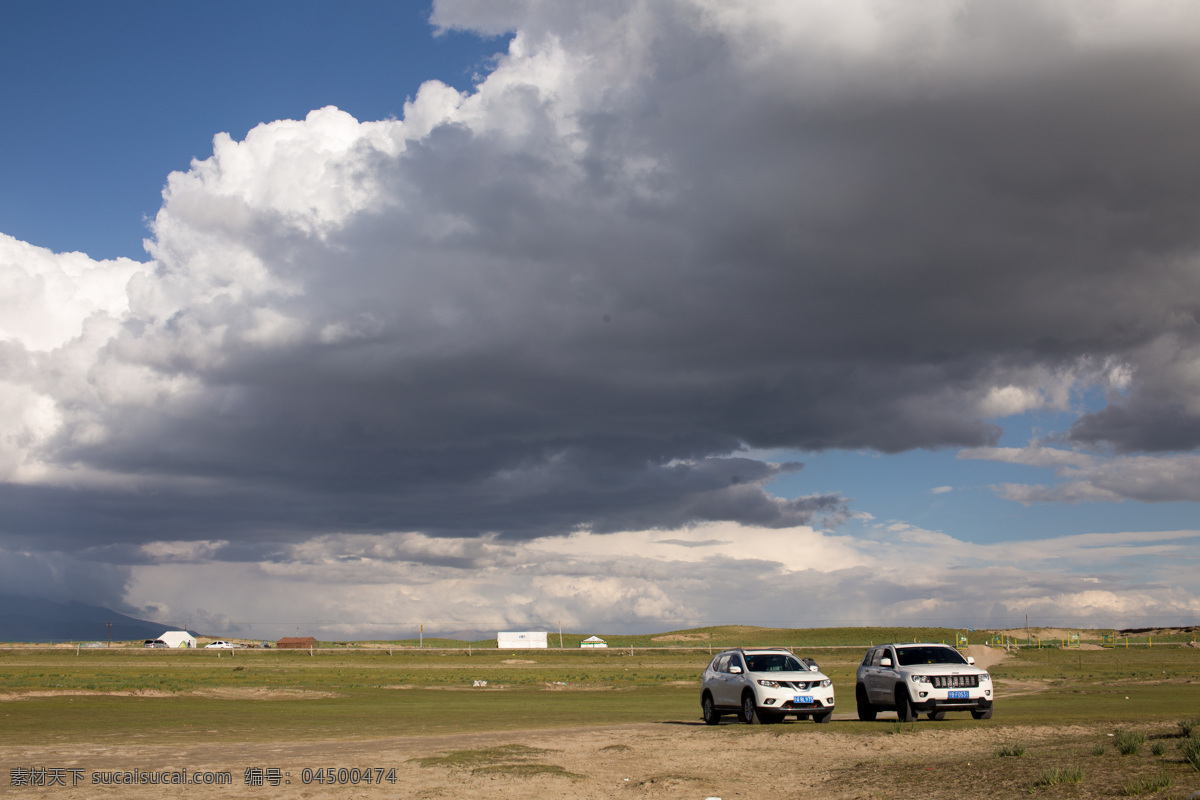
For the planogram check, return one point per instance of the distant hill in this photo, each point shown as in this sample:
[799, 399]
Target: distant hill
[25, 619]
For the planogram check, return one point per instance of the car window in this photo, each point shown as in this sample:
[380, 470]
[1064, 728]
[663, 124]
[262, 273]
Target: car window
[908, 656]
[774, 662]
[875, 659]
[723, 663]
[866, 662]
[736, 661]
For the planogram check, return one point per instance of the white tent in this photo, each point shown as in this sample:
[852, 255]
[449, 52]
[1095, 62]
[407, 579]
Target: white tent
[178, 639]
[593, 641]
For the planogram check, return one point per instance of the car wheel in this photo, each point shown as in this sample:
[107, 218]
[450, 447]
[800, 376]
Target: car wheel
[749, 710]
[711, 717]
[866, 711]
[938, 715]
[821, 719]
[983, 713]
[904, 707]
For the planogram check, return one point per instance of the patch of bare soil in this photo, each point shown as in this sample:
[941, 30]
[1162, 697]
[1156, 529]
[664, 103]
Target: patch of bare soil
[683, 637]
[517, 661]
[683, 759]
[986, 657]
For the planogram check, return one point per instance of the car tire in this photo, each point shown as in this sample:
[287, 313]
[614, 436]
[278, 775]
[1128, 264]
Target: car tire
[750, 713]
[904, 706]
[937, 715]
[866, 711]
[709, 710]
[821, 719]
[983, 713]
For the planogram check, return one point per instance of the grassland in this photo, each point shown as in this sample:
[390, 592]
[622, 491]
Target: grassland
[594, 723]
[251, 694]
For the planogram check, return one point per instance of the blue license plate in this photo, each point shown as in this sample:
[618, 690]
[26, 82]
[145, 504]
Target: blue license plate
[802, 698]
[959, 695]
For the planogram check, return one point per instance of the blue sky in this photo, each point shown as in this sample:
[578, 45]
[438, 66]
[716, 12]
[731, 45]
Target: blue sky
[115, 96]
[500, 315]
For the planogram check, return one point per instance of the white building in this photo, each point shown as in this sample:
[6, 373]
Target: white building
[178, 639]
[520, 640]
[593, 641]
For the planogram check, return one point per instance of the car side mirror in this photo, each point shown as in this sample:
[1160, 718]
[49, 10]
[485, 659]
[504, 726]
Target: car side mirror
[814, 668]
[971, 660]
[735, 670]
[887, 662]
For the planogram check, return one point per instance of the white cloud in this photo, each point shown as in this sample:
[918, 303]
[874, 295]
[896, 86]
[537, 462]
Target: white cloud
[353, 585]
[46, 297]
[1090, 478]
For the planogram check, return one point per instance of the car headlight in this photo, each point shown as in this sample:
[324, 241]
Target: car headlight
[771, 684]
[920, 679]
[985, 677]
[827, 683]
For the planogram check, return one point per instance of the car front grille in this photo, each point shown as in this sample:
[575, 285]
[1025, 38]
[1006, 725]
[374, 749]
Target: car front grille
[802, 686]
[955, 681]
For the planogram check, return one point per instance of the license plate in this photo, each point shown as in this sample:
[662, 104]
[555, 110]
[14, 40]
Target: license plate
[802, 698]
[959, 695]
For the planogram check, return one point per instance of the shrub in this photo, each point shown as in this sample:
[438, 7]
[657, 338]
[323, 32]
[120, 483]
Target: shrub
[1191, 752]
[1186, 726]
[1130, 742]
[1098, 750]
[1158, 749]
[1011, 750]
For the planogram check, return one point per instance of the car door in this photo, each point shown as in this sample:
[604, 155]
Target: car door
[735, 681]
[886, 677]
[879, 678]
[720, 684]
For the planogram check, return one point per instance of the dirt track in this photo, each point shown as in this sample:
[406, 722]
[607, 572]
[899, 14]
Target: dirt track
[683, 759]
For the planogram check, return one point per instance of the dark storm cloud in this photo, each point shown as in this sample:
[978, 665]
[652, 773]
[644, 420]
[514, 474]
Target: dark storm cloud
[564, 306]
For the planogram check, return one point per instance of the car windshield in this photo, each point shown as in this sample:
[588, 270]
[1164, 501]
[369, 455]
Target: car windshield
[773, 662]
[908, 656]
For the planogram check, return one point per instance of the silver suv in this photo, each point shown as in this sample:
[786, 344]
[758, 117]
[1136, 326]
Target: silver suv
[764, 686]
[911, 679]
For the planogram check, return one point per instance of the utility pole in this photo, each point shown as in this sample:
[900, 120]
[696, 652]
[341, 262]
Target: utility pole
[560, 644]
[1027, 639]
[110, 633]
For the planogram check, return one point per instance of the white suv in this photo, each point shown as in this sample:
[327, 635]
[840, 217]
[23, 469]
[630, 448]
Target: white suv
[914, 678]
[764, 686]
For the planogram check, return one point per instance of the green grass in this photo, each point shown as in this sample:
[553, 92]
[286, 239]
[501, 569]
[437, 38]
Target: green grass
[1129, 742]
[1057, 775]
[1190, 750]
[1011, 750]
[353, 692]
[1155, 783]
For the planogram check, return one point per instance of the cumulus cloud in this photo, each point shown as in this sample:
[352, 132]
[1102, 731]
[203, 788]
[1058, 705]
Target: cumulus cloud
[655, 238]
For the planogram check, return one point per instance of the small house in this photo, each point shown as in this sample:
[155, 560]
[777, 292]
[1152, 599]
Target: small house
[593, 641]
